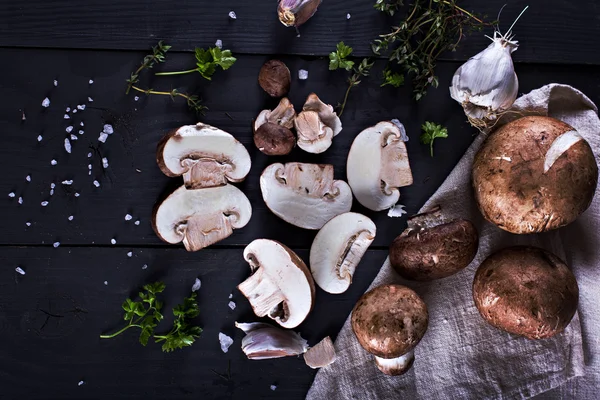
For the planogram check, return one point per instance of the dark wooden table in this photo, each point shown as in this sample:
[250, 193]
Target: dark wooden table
[50, 318]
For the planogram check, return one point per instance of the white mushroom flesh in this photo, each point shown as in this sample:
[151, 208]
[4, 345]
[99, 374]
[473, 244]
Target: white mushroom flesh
[321, 355]
[200, 218]
[305, 195]
[206, 156]
[284, 115]
[325, 111]
[265, 341]
[378, 166]
[280, 286]
[313, 135]
[337, 250]
[560, 145]
[395, 366]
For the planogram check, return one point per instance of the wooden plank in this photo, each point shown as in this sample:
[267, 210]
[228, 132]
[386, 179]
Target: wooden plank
[99, 212]
[53, 315]
[551, 31]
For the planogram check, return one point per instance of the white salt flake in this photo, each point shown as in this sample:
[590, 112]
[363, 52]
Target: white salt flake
[303, 74]
[69, 129]
[51, 192]
[70, 218]
[20, 270]
[231, 305]
[113, 241]
[136, 98]
[219, 43]
[102, 138]
[397, 211]
[348, 16]
[67, 116]
[28, 223]
[273, 387]
[11, 195]
[90, 100]
[128, 217]
[28, 178]
[96, 183]
[39, 138]
[129, 254]
[67, 182]
[105, 283]
[20, 201]
[90, 155]
[81, 132]
[55, 83]
[104, 162]
[81, 107]
[232, 15]
[68, 109]
[74, 111]
[53, 162]
[90, 167]
[56, 244]
[52, 185]
[80, 383]
[225, 341]
[91, 81]
[77, 194]
[67, 145]
[23, 118]
[145, 266]
[44, 203]
[81, 123]
[137, 222]
[108, 128]
[46, 102]
[196, 285]
[231, 295]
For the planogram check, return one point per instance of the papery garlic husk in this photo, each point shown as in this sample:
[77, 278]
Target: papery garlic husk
[487, 85]
[296, 12]
[264, 341]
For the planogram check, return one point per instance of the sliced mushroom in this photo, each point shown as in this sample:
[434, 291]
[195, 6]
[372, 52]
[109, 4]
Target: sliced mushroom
[283, 115]
[206, 156]
[338, 248]
[316, 125]
[199, 218]
[325, 111]
[274, 140]
[305, 195]
[378, 166]
[280, 286]
[320, 355]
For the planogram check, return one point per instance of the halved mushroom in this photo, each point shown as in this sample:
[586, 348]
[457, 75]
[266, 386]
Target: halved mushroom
[316, 125]
[199, 218]
[338, 248]
[325, 111]
[389, 321]
[305, 195]
[283, 115]
[378, 166]
[280, 286]
[206, 156]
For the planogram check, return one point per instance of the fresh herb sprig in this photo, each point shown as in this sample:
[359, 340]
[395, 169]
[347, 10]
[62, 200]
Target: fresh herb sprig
[430, 28]
[146, 315]
[338, 59]
[432, 131]
[207, 62]
[158, 56]
[193, 101]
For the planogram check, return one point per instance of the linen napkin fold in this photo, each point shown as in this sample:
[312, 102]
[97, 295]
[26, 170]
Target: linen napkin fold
[461, 356]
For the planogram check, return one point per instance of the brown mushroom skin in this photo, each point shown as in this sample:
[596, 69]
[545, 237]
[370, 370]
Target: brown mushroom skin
[511, 188]
[526, 291]
[274, 140]
[275, 78]
[434, 253]
[389, 321]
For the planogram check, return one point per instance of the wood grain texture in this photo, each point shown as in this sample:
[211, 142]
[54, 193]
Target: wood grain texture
[556, 31]
[51, 319]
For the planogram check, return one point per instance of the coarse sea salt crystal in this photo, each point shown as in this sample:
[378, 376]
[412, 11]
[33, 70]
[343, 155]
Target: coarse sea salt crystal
[197, 285]
[39, 138]
[11, 195]
[137, 222]
[28, 178]
[232, 15]
[67, 116]
[55, 82]
[73, 137]
[77, 194]
[46, 102]
[70, 218]
[108, 128]
[303, 74]
[90, 167]
[69, 129]
[81, 131]
[53, 162]
[104, 162]
[136, 98]
[90, 100]
[102, 138]
[96, 183]
[28, 223]
[81, 107]
[231, 295]
[81, 123]
[68, 145]
[56, 244]
[80, 383]
[219, 44]
[52, 185]
[225, 342]
[128, 217]
[68, 109]
[129, 254]
[20, 201]
[348, 16]
[20, 270]
[90, 155]
[273, 387]
[74, 111]
[105, 283]
[145, 266]
[51, 192]
[67, 182]
[113, 241]
[231, 305]
[91, 81]
[44, 203]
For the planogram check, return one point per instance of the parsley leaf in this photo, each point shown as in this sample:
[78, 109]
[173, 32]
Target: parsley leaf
[392, 78]
[339, 59]
[431, 132]
[207, 62]
[183, 333]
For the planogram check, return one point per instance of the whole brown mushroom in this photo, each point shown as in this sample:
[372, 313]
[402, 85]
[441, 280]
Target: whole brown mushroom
[275, 78]
[274, 140]
[526, 291]
[534, 174]
[389, 321]
[432, 249]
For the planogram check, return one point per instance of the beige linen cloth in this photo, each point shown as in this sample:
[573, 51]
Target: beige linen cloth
[461, 356]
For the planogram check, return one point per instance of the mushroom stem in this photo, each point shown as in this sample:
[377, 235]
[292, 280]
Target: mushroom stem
[395, 366]
[264, 296]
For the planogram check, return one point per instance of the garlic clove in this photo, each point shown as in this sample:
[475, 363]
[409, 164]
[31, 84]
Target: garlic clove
[296, 12]
[320, 355]
[264, 341]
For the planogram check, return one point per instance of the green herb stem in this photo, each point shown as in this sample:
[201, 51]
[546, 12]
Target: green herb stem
[189, 71]
[112, 335]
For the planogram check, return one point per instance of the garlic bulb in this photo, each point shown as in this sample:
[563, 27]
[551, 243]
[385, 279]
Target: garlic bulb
[296, 12]
[487, 85]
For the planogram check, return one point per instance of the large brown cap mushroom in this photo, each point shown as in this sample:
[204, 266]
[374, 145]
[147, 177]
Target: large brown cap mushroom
[526, 291]
[424, 252]
[389, 321]
[533, 175]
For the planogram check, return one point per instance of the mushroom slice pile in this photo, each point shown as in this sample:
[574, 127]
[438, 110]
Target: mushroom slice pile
[338, 248]
[280, 286]
[305, 195]
[206, 156]
[378, 166]
[199, 218]
[283, 115]
[316, 125]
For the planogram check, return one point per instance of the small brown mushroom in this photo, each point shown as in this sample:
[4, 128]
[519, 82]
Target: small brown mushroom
[534, 174]
[526, 291]
[275, 78]
[431, 248]
[389, 321]
[274, 140]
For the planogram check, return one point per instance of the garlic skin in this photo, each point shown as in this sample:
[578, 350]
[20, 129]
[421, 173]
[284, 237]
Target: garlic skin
[487, 85]
[264, 341]
[296, 12]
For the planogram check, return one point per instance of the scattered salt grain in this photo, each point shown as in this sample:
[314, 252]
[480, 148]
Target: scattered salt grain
[81, 107]
[90, 155]
[104, 162]
[113, 241]
[46, 102]
[20, 201]
[231, 305]
[44, 203]
[136, 98]
[137, 222]
[74, 111]
[77, 195]
[23, 118]
[28, 178]
[273, 387]
[231, 295]
[20, 270]
[129, 254]
[303, 74]
[69, 129]
[68, 109]
[96, 183]
[52, 185]
[81, 131]
[67, 116]
[145, 266]
[232, 15]
[80, 383]
[56, 244]
[11, 195]
[51, 192]
[81, 123]
[67, 182]
[219, 44]
[70, 218]
[128, 217]
[90, 167]
[225, 341]
[348, 16]
[108, 129]
[102, 138]
[68, 145]
[39, 138]
[90, 100]
[73, 137]
[53, 162]
[55, 82]
[28, 223]
[105, 283]
[91, 81]
[197, 285]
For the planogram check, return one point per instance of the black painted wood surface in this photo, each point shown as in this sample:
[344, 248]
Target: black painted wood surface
[45, 356]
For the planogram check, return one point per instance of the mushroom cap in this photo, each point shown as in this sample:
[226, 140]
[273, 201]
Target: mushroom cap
[305, 195]
[389, 321]
[275, 78]
[337, 250]
[378, 166]
[527, 291]
[274, 140]
[284, 115]
[436, 252]
[206, 156]
[534, 174]
[281, 286]
[202, 217]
